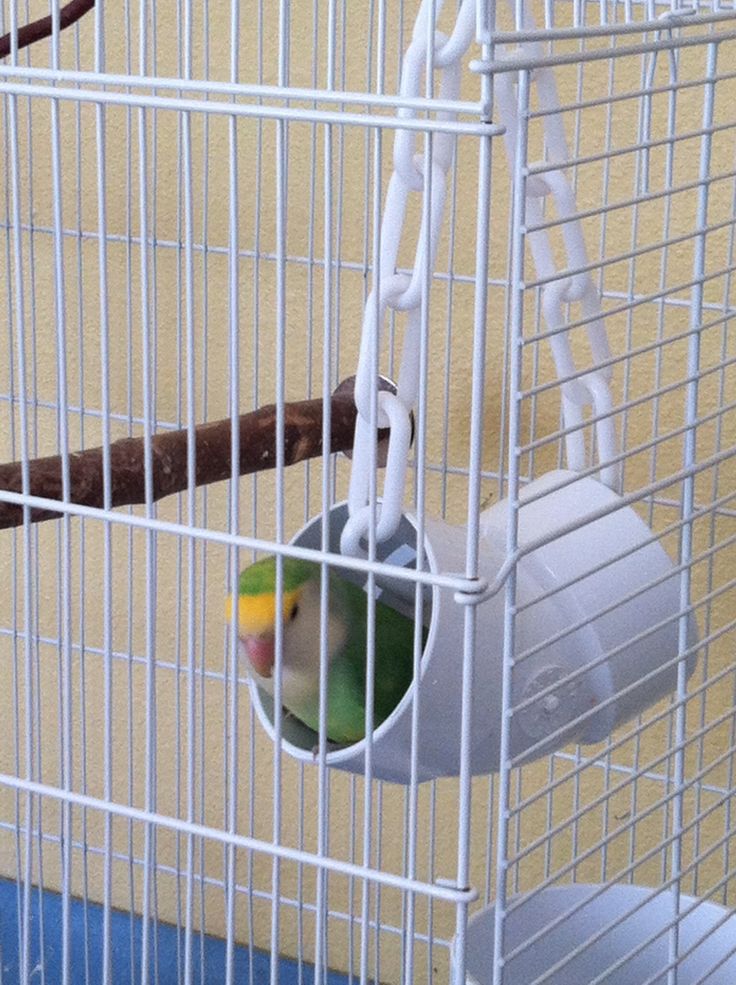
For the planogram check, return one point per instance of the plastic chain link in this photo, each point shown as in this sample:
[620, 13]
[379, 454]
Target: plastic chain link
[403, 292]
[580, 388]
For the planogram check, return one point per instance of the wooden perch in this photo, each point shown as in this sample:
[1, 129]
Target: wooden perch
[302, 440]
[69, 14]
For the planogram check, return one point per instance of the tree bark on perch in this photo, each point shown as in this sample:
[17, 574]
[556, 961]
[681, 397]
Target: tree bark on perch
[69, 14]
[302, 440]
[257, 430]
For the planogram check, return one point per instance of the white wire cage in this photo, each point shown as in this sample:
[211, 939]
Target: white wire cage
[192, 203]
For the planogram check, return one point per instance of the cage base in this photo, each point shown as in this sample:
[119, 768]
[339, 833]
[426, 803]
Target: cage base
[166, 945]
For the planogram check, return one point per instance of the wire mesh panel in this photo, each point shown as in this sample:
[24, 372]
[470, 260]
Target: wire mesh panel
[194, 224]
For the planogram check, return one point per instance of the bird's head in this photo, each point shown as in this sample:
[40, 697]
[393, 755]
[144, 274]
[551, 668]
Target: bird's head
[257, 604]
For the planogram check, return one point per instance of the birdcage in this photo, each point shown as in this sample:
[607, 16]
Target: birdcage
[439, 297]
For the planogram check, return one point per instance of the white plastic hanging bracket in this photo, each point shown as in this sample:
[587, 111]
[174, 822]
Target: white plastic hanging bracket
[568, 285]
[402, 292]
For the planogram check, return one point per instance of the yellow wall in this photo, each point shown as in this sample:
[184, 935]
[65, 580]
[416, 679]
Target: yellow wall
[168, 576]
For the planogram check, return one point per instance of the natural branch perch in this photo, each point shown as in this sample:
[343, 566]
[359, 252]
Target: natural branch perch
[69, 14]
[302, 440]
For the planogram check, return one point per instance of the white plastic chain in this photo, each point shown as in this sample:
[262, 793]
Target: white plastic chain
[403, 292]
[399, 291]
[579, 389]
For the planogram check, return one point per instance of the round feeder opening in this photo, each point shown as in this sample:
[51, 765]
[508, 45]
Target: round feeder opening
[397, 593]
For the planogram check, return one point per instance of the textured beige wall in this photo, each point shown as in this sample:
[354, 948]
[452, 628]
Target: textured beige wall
[304, 316]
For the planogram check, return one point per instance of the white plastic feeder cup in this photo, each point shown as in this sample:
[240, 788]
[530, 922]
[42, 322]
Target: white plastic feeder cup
[627, 926]
[596, 633]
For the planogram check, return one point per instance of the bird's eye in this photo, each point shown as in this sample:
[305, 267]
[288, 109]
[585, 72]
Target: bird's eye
[293, 613]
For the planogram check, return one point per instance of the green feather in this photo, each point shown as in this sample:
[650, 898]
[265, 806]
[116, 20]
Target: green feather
[260, 578]
[346, 686]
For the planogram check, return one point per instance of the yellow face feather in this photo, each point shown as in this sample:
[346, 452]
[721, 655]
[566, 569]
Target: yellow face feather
[257, 613]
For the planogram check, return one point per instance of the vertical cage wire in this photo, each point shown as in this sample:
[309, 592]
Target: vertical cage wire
[190, 210]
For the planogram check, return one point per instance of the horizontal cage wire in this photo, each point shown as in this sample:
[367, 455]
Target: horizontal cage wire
[197, 214]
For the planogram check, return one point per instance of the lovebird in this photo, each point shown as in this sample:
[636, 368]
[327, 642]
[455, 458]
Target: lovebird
[346, 641]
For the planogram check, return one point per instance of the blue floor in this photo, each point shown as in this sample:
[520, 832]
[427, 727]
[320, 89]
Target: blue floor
[166, 963]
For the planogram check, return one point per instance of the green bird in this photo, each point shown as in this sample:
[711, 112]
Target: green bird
[346, 644]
